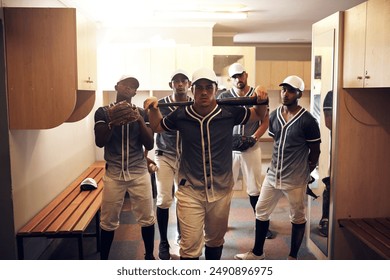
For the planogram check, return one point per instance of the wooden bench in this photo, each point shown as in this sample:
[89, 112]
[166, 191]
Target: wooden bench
[69, 214]
[374, 232]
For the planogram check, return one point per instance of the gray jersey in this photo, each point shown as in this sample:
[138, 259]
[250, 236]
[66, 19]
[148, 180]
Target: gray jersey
[206, 162]
[250, 128]
[290, 166]
[168, 142]
[124, 152]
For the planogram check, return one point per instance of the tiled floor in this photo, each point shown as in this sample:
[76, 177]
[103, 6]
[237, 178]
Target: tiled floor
[128, 244]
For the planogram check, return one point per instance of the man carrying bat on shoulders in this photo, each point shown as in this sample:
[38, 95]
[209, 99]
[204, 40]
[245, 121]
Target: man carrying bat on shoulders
[205, 171]
[121, 128]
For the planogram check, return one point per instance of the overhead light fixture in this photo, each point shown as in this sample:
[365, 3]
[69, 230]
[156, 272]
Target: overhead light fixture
[200, 15]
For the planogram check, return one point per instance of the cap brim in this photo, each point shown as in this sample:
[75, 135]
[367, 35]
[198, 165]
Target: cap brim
[286, 84]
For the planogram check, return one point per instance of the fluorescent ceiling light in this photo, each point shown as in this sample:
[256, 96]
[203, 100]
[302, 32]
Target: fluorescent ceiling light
[200, 15]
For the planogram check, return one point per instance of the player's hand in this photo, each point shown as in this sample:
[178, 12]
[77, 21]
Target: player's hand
[261, 93]
[151, 102]
[121, 113]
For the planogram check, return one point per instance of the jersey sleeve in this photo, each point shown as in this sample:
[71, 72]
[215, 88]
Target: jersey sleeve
[168, 122]
[100, 117]
[312, 130]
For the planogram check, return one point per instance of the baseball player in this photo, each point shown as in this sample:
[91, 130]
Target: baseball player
[295, 155]
[205, 177]
[249, 160]
[324, 222]
[126, 169]
[167, 157]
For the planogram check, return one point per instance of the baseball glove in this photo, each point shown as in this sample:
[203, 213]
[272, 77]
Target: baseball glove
[121, 113]
[242, 143]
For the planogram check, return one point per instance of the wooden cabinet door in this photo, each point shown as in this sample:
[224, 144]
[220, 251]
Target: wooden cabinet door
[377, 70]
[307, 74]
[263, 73]
[354, 46]
[41, 66]
[278, 73]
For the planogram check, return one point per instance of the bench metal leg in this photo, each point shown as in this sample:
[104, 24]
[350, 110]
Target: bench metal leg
[97, 227]
[20, 245]
[81, 249]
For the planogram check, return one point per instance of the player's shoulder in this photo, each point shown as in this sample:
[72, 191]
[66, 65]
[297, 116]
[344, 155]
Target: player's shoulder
[225, 94]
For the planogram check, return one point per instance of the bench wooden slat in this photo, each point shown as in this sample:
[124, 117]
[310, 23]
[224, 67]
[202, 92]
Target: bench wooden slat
[55, 213]
[374, 233]
[77, 208]
[95, 206]
[379, 231]
[83, 206]
[86, 219]
[368, 235]
[67, 212]
[47, 210]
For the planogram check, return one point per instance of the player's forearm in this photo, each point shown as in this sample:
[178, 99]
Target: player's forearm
[258, 112]
[262, 128]
[146, 133]
[155, 118]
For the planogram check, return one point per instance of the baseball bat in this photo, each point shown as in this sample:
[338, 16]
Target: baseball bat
[231, 101]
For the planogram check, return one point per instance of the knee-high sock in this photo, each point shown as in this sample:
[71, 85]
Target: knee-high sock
[162, 220]
[106, 239]
[325, 203]
[261, 233]
[213, 253]
[297, 233]
[253, 200]
[148, 237]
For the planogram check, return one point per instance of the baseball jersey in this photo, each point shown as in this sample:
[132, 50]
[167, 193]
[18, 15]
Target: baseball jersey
[290, 166]
[168, 141]
[124, 152]
[206, 162]
[250, 128]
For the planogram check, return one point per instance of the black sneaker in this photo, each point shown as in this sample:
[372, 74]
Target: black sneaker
[269, 235]
[163, 249]
[149, 257]
[323, 227]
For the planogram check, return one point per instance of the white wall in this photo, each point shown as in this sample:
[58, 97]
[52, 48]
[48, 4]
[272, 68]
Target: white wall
[44, 162]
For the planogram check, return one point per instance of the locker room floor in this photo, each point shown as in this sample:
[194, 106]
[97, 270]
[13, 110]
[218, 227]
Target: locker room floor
[128, 244]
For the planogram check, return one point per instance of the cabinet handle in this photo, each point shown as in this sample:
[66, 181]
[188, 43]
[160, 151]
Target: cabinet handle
[367, 77]
[359, 77]
[89, 81]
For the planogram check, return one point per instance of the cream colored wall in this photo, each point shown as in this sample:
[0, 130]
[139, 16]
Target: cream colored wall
[44, 162]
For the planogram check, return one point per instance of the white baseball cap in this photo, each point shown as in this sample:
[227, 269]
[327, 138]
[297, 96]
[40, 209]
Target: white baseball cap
[295, 82]
[128, 77]
[236, 68]
[88, 184]
[204, 73]
[180, 71]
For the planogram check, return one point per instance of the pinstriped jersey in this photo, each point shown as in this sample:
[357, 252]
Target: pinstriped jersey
[206, 162]
[290, 166]
[124, 152]
[168, 141]
[250, 128]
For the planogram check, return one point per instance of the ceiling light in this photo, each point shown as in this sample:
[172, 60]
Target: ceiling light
[200, 15]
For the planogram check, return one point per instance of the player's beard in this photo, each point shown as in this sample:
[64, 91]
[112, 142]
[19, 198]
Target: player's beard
[240, 85]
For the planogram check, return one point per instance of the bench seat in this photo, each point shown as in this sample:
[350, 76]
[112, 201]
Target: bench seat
[69, 214]
[374, 232]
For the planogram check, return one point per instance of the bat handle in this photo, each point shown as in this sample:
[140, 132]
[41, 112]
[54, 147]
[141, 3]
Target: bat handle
[185, 103]
[239, 101]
